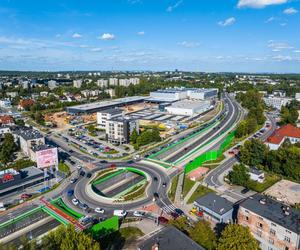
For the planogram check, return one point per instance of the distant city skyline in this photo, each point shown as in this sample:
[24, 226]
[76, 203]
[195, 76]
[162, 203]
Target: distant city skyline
[190, 35]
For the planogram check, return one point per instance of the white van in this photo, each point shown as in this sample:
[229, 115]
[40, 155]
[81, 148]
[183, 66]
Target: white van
[120, 213]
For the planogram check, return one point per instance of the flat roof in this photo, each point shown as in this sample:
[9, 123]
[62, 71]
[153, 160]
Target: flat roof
[28, 134]
[187, 104]
[112, 111]
[274, 211]
[41, 147]
[215, 203]
[170, 238]
[106, 104]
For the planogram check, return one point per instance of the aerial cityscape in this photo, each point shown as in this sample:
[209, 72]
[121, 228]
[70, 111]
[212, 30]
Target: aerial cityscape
[150, 125]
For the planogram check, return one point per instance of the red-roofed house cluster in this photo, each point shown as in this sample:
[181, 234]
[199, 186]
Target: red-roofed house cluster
[285, 132]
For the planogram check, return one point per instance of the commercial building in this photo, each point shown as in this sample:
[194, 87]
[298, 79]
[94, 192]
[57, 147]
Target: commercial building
[285, 132]
[214, 208]
[98, 106]
[118, 130]
[29, 138]
[169, 238]
[203, 94]
[12, 180]
[273, 224]
[45, 156]
[188, 107]
[276, 102]
[108, 114]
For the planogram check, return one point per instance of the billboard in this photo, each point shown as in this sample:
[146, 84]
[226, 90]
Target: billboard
[47, 158]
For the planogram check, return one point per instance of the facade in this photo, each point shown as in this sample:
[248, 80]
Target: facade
[6, 120]
[5, 103]
[102, 83]
[127, 82]
[274, 225]
[77, 83]
[276, 102]
[105, 115]
[214, 208]
[203, 94]
[113, 81]
[118, 130]
[285, 132]
[188, 107]
[44, 155]
[52, 84]
[297, 96]
[257, 175]
[111, 92]
[29, 138]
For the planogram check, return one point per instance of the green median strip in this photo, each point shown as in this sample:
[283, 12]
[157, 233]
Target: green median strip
[96, 182]
[55, 216]
[62, 206]
[128, 190]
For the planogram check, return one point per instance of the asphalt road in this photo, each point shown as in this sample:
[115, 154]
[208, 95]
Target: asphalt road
[224, 125]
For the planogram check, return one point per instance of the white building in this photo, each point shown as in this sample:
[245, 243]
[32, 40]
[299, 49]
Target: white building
[189, 107]
[276, 102]
[52, 84]
[297, 96]
[102, 83]
[111, 92]
[77, 83]
[105, 115]
[257, 175]
[118, 130]
[113, 81]
[203, 94]
[5, 103]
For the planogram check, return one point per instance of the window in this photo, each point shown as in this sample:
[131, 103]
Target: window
[261, 218]
[271, 241]
[272, 224]
[272, 232]
[287, 239]
[260, 225]
[288, 231]
[246, 218]
[246, 211]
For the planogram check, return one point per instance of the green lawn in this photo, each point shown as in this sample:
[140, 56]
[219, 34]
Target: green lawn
[270, 180]
[173, 187]
[131, 233]
[200, 191]
[187, 185]
[137, 192]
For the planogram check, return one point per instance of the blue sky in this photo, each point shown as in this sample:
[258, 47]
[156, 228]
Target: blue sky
[200, 35]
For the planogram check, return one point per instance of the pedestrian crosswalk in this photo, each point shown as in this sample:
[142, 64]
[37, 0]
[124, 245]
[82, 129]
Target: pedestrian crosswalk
[168, 208]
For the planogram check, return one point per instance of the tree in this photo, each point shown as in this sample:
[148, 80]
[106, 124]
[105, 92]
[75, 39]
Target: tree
[133, 137]
[181, 224]
[65, 238]
[7, 148]
[239, 175]
[253, 152]
[237, 237]
[20, 122]
[204, 235]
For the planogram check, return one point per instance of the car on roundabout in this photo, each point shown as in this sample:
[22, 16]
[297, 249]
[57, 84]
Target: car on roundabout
[120, 213]
[99, 210]
[75, 201]
[139, 213]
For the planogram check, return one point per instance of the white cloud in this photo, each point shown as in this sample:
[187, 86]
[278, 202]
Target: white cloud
[107, 36]
[141, 33]
[259, 3]
[281, 58]
[189, 44]
[270, 19]
[96, 49]
[290, 11]
[229, 21]
[283, 24]
[279, 46]
[76, 35]
[173, 7]
[296, 51]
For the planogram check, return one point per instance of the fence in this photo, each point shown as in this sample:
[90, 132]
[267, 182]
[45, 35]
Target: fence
[210, 155]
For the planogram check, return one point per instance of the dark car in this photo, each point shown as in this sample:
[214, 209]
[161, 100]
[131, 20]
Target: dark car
[130, 162]
[156, 196]
[72, 162]
[70, 192]
[89, 175]
[103, 161]
[82, 173]
[174, 215]
[179, 211]
[162, 220]
[245, 190]
[164, 184]
[155, 178]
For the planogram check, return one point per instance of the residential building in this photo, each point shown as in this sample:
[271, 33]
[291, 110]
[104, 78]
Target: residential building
[214, 208]
[127, 82]
[276, 102]
[285, 132]
[108, 114]
[169, 238]
[113, 81]
[6, 120]
[52, 84]
[25, 104]
[5, 103]
[111, 92]
[273, 224]
[12, 94]
[118, 130]
[29, 138]
[102, 83]
[257, 175]
[297, 96]
[188, 107]
[77, 83]
[4, 130]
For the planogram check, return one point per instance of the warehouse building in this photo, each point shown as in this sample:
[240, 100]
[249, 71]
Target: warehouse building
[189, 107]
[202, 94]
[99, 106]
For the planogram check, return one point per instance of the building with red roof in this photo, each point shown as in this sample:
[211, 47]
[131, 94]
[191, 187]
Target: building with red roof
[6, 120]
[285, 132]
[25, 104]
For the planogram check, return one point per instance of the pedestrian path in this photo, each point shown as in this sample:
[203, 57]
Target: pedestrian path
[179, 188]
[190, 193]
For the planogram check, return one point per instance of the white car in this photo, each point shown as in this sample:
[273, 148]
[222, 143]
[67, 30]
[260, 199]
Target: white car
[120, 213]
[79, 167]
[75, 201]
[99, 210]
[138, 213]
[73, 180]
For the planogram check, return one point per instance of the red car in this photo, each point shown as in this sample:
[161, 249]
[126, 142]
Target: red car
[25, 196]
[162, 220]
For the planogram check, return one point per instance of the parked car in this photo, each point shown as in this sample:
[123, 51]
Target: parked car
[179, 211]
[174, 215]
[99, 210]
[245, 190]
[162, 220]
[25, 196]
